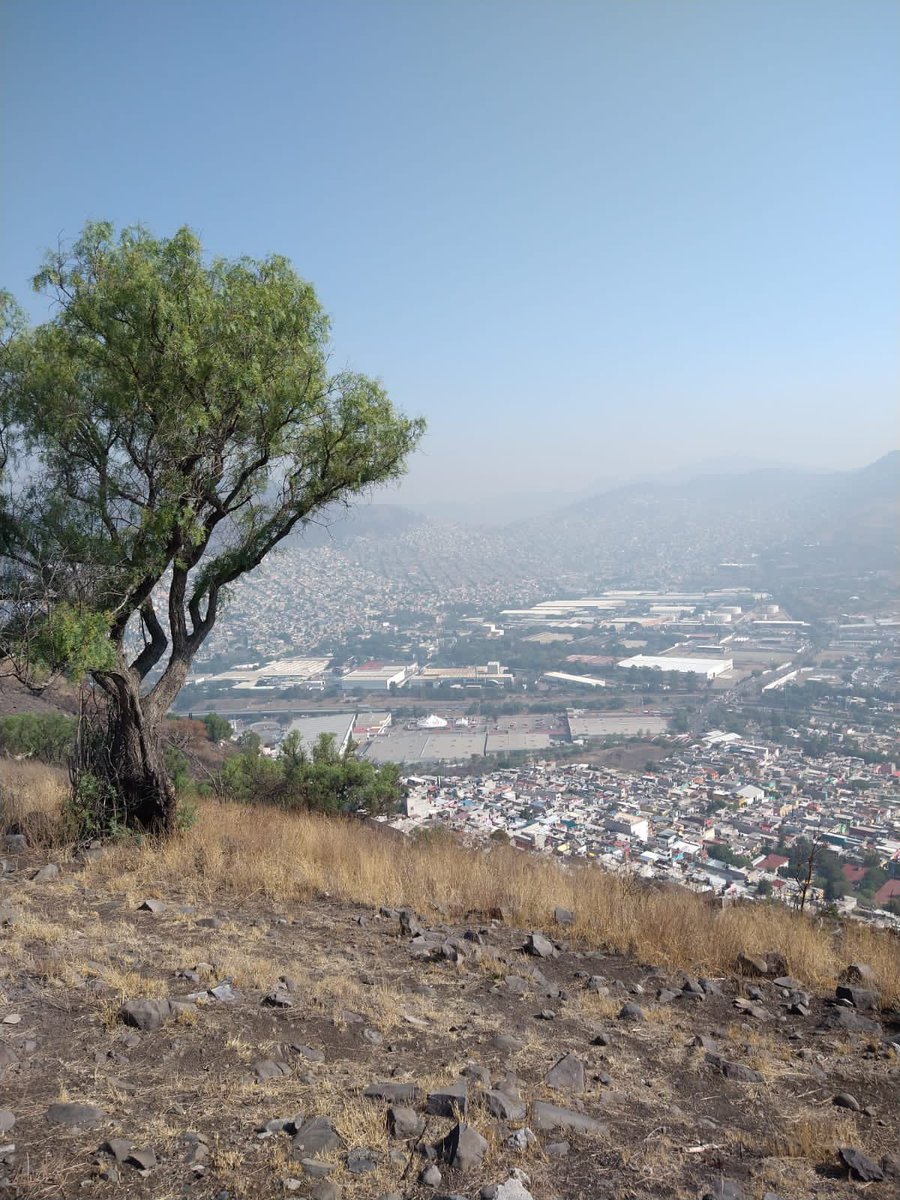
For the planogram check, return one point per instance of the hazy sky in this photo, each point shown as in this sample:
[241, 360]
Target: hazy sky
[584, 238]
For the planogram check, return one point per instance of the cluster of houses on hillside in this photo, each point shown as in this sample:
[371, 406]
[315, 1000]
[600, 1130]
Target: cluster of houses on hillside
[719, 815]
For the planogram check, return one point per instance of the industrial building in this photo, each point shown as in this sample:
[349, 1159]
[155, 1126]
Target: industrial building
[377, 676]
[709, 668]
[492, 674]
[339, 726]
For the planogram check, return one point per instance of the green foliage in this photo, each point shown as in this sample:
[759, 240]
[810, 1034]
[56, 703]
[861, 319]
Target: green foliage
[47, 737]
[321, 781]
[724, 853]
[178, 421]
[217, 727]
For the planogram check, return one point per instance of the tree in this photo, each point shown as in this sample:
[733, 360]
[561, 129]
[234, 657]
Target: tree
[173, 422]
[218, 729]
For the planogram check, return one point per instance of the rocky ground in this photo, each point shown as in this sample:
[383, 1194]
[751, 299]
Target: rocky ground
[150, 1048]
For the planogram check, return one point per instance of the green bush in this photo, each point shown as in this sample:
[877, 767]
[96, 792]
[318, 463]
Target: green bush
[48, 737]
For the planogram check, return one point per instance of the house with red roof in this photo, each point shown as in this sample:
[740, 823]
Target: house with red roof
[887, 891]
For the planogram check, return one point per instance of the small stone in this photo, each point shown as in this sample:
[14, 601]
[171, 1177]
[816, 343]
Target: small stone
[76, 1116]
[859, 1166]
[314, 1168]
[153, 906]
[632, 1012]
[504, 1107]
[539, 946]
[269, 1068]
[463, 1148]
[557, 1149]
[394, 1093]
[405, 1122]
[363, 1161]
[277, 998]
[860, 998]
[315, 1136]
[144, 1160]
[845, 1100]
[150, 1015]
[725, 1189]
[13, 1019]
[859, 973]
[450, 1101]
[567, 1075]
[563, 916]
[7, 1120]
[431, 1176]
[46, 873]
[547, 1117]
[16, 843]
[326, 1190]
[506, 1043]
[749, 964]
[117, 1148]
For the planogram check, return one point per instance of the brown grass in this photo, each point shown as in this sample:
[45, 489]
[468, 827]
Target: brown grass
[31, 800]
[250, 852]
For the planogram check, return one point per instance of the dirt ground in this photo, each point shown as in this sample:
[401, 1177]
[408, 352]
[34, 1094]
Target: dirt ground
[361, 1008]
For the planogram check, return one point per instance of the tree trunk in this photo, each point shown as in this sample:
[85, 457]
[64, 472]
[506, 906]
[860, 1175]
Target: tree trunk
[128, 763]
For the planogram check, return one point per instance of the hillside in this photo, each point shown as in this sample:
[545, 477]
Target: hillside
[782, 523]
[250, 1011]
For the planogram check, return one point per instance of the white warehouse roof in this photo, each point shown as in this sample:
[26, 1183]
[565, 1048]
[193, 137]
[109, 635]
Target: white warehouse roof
[709, 667]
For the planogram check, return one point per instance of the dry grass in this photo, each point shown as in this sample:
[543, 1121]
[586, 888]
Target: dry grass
[815, 1135]
[246, 853]
[31, 800]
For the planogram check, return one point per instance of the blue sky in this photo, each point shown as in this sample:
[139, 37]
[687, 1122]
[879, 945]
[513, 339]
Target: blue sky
[585, 238]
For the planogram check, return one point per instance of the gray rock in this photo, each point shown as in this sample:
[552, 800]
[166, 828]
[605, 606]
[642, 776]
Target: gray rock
[754, 1010]
[520, 1140]
[431, 1176]
[117, 1148]
[849, 1020]
[8, 915]
[463, 1148]
[736, 1072]
[512, 1189]
[860, 998]
[632, 1012]
[557, 1149]
[704, 1042]
[859, 1166]
[504, 1107]
[144, 1160]
[725, 1189]
[563, 916]
[859, 973]
[16, 843]
[395, 1093]
[149, 1015]
[750, 964]
[315, 1168]
[46, 873]
[326, 1190]
[409, 925]
[310, 1053]
[76, 1116]
[547, 1117]
[361, 1161]
[506, 1043]
[516, 985]
[7, 1120]
[845, 1100]
[449, 1101]
[8, 1058]
[567, 1075]
[278, 998]
[539, 946]
[153, 906]
[270, 1068]
[315, 1136]
[405, 1122]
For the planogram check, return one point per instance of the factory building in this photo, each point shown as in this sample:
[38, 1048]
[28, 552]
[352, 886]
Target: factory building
[377, 677]
[709, 668]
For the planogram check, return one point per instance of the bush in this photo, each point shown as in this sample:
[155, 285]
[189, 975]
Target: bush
[47, 737]
[321, 781]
